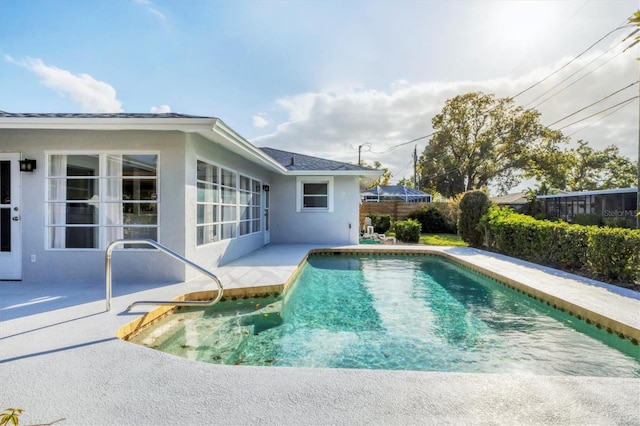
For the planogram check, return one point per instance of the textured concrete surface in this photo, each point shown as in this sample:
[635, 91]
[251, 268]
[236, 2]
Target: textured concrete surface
[59, 358]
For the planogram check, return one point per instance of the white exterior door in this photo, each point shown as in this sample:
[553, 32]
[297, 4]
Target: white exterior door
[10, 218]
[267, 216]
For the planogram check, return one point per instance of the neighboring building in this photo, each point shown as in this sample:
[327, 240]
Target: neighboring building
[191, 183]
[616, 205]
[517, 201]
[394, 193]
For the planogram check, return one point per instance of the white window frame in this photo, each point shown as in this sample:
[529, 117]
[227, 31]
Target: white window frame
[237, 204]
[301, 181]
[254, 194]
[102, 179]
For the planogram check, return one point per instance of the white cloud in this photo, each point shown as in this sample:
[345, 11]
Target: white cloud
[148, 5]
[162, 109]
[92, 95]
[260, 121]
[333, 124]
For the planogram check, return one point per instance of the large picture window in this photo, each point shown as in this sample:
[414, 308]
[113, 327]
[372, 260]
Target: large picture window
[228, 204]
[93, 199]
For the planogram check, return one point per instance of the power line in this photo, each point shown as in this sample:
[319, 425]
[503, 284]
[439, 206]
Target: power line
[601, 118]
[594, 103]
[579, 79]
[518, 94]
[621, 26]
[570, 62]
[599, 112]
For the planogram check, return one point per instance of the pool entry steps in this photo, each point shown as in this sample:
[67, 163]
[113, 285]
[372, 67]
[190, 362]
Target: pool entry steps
[171, 253]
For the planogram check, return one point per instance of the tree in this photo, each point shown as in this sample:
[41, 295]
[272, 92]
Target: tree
[406, 182]
[481, 140]
[473, 205]
[635, 20]
[584, 169]
[384, 179]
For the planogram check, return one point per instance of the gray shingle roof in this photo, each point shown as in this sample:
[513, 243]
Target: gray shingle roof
[299, 162]
[98, 115]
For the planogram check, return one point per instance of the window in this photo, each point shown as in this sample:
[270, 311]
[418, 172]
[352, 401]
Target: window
[208, 204]
[315, 194]
[228, 204]
[249, 205]
[93, 199]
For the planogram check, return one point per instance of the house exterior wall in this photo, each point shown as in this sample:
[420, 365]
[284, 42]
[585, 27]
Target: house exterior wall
[215, 254]
[78, 265]
[176, 209]
[291, 227]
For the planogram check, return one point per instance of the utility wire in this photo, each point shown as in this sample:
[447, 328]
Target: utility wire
[573, 74]
[599, 112]
[594, 103]
[521, 92]
[621, 26]
[601, 118]
[570, 62]
[401, 144]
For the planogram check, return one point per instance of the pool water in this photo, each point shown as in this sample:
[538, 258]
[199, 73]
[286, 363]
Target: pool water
[396, 313]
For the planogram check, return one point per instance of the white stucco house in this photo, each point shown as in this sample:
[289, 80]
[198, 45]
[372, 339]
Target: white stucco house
[191, 183]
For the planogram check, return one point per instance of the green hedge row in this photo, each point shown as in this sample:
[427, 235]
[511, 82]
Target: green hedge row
[612, 254]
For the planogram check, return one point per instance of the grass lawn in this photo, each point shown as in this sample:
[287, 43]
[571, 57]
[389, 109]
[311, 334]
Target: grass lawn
[438, 239]
[442, 240]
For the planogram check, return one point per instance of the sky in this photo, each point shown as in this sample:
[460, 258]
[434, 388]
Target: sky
[327, 78]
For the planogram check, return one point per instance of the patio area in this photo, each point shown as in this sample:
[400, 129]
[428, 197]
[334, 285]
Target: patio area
[59, 358]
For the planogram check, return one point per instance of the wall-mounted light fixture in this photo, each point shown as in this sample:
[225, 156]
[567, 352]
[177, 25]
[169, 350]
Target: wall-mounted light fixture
[27, 165]
[265, 188]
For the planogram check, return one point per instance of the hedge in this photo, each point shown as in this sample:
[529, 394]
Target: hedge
[432, 220]
[611, 254]
[407, 230]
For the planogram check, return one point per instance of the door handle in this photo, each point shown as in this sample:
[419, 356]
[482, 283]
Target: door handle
[15, 218]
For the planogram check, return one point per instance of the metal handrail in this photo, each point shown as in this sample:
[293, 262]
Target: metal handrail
[107, 262]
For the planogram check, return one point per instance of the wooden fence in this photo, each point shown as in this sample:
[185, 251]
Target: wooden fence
[396, 209]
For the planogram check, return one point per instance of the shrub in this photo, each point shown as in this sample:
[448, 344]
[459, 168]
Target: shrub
[431, 220]
[451, 210]
[612, 254]
[586, 219]
[381, 223]
[620, 222]
[407, 230]
[472, 207]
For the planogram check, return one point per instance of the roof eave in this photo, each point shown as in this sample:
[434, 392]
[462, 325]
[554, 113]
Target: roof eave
[205, 127]
[187, 125]
[245, 148]
[365, 177]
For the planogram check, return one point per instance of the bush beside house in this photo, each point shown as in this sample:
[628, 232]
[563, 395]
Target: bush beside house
[407, 230]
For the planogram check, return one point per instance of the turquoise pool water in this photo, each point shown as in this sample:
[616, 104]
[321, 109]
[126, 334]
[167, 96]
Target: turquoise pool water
[395, 313]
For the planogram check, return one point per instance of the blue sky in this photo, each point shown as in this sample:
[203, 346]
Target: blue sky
[321, 77]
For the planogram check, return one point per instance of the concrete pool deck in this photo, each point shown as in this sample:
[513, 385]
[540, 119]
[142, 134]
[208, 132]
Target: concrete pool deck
[59, 358]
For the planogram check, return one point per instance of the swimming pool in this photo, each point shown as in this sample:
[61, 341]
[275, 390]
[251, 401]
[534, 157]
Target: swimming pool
[396, 313]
